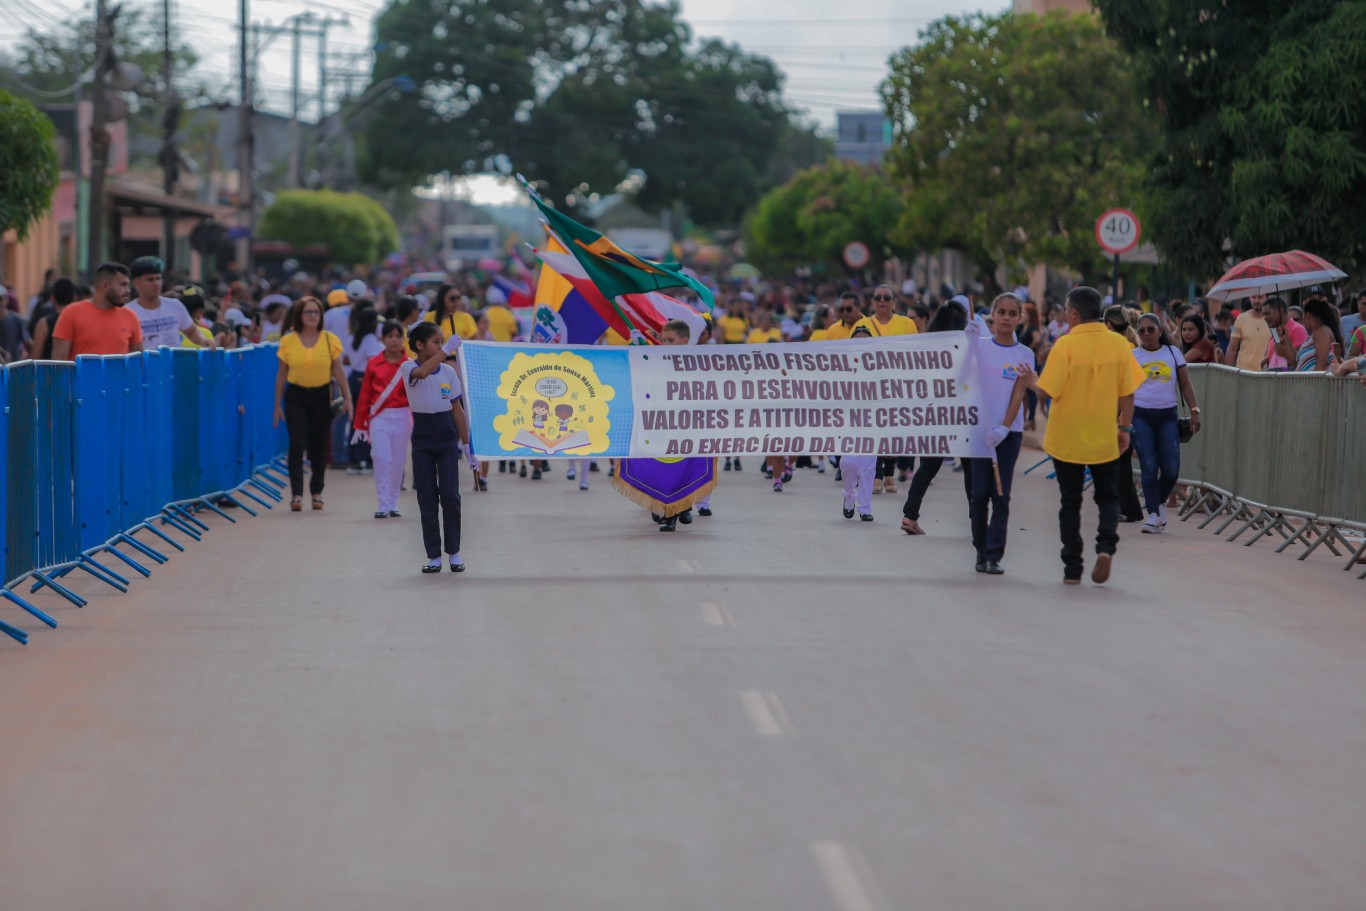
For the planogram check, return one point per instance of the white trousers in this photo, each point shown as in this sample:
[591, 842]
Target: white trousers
[858, 471]
[390, 431]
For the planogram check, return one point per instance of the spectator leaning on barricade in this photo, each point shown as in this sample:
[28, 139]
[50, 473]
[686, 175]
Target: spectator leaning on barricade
[101, 325]
[1319, 349]
[163, 319]
[1353, 324]
[1091, 377]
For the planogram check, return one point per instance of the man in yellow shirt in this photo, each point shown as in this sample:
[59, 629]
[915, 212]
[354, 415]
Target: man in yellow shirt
[1091, 376]
[850, 311]
[884, 321]
[733, 325]
[503, 324]
[764, 330]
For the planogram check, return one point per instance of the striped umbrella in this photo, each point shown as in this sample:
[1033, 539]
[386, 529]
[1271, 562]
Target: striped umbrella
[1274, 273]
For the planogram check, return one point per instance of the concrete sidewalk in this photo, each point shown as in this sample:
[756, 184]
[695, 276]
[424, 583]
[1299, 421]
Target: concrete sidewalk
[774, 708]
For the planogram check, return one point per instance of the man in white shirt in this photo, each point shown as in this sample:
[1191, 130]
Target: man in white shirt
[163, 319]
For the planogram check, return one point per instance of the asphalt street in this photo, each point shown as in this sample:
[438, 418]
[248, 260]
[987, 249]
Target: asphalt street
[773, 708]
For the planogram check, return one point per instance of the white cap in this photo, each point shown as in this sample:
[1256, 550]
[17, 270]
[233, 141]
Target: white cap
[962, 299]
[357, 290]
[495, 295]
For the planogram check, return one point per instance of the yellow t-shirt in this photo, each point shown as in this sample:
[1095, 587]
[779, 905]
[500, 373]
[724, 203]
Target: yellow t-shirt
[460, 322]
[502, 324]
[1254, 335]
[733, 329]
[760, 337]
[898, 325]
[1088, 371]
[309, 367]
[839, 331]
[819, 335]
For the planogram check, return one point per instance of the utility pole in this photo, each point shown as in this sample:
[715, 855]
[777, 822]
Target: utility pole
[170, 121]
[246, 215]
[99, 134]
[295, 133]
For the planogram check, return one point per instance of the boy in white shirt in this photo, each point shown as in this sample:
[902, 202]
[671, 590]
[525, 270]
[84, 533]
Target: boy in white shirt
[1000, 358]
[858, 471]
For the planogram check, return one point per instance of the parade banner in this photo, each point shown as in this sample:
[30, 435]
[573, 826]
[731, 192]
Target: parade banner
[913, 395]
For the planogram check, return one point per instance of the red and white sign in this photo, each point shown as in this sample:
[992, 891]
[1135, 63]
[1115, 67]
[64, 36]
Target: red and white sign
[856, 255]
[1118, 231]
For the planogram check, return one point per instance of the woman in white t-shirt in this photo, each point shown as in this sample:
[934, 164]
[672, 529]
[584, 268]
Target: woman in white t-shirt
[1156, 434]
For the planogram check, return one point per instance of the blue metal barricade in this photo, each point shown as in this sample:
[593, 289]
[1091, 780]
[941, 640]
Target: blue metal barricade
[95, 452]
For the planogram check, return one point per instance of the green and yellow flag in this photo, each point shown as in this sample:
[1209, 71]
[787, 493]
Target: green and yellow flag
[612, 269]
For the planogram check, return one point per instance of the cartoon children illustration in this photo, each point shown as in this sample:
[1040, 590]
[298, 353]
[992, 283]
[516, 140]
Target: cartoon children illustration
[564, 412]
[539, 412]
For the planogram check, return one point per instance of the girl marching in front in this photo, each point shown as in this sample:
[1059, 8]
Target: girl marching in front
[383, 418]
[439, 427]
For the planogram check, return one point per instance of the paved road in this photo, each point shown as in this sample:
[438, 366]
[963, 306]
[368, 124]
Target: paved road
[772, 709]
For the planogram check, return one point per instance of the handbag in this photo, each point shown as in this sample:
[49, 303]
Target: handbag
[1184, 431]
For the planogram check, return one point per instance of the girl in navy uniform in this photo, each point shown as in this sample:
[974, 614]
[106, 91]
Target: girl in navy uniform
[439, 427]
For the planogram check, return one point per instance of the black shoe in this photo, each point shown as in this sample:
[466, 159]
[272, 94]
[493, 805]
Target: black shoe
[839, 474]
[483, 485]
[535, 474]
[656, 518]
[737, 465]
[669, 524]
[428, 568]
[727, 466]
[685, 517]
[787, 476]
[503, 467]
[866, 517]
[704, 512]
[994, 568]
[848, 512]
[381, 515]
[593, 467]
[395, 514]
[456, 568]
[611, 471]
[981, 566]
[522, 473]
[901, 477]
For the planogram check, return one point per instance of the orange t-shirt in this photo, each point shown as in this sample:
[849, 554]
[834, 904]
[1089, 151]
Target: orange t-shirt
[91, 330]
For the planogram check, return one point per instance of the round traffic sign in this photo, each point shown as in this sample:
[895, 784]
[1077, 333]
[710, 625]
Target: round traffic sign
[1117, 231]
[856, 255]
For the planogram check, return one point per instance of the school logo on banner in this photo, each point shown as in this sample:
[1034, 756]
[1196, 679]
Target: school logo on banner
[555, 404]
[548, 327]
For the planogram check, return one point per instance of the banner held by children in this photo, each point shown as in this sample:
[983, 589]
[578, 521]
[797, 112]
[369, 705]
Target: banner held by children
[896, 396]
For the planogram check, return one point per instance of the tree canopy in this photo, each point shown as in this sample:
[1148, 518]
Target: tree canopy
[1262, 139]
[1012, 134]
[583, 96]
[356, 229]
[29, 170]
[810, 219]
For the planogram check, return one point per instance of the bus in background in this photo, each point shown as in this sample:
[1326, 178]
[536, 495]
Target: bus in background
[462, 246]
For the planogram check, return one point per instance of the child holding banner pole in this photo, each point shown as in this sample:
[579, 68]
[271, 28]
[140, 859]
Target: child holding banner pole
[1002, 362]
[439, 427]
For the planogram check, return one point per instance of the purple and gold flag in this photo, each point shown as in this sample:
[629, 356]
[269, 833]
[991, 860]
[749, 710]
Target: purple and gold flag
[665, 487]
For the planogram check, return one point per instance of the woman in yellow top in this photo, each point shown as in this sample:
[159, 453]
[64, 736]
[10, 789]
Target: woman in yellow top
[824, 318]
[884, 321]
[734, 326]
[449, 313]
[764, 330]
[310, 360]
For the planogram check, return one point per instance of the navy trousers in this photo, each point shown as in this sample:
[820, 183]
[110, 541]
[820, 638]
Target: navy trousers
[989, 525]
[436, 478]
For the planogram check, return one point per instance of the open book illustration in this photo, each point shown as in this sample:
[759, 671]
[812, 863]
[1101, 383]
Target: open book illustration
[576, 440]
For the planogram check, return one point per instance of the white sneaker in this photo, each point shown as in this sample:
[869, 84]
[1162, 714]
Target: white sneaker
[1152, 525]
[583, 485]
[569, 474]
[1162, 514]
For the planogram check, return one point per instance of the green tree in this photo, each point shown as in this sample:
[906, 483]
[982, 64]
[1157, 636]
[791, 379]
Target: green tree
[52, 61]
[1261, 145]
[355, 228]
[1012, 135]
[810, 219]
[583, 97]
[29, 171]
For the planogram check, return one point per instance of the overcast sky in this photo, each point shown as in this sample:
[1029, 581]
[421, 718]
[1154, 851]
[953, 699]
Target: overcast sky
[834, 53]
